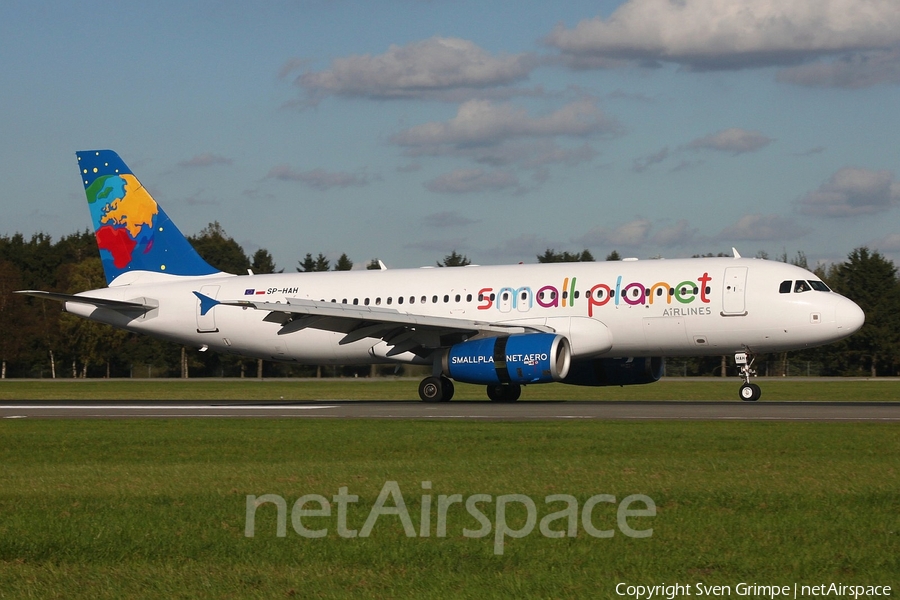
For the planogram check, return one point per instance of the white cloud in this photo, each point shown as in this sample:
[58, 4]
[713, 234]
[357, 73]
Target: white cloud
[441, 246]
[851, 71]
[763, 228]
[291, 65]
[677, 234]
[733, 141]
[730, 34]
[523, 248]
[852, 191]
[526, 153]
[419, 69]
[639, 165]
[319, 179]
[482, 122]
[466, 181]
[207, 159]
[887, 243]
[629, 235]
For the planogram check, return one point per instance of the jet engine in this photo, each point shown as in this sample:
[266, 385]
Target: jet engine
[520, 358]
[615, 371]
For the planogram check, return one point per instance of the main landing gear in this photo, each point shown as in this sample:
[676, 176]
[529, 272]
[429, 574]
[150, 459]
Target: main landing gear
[440, 389]
[501, 392]
[436, 389]
[749, 392]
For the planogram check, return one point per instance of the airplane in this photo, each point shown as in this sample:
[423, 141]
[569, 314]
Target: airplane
[504, 327]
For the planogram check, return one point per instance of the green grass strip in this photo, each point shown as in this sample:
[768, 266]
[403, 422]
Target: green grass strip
[156, 508]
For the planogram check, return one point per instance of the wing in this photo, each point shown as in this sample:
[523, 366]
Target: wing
[403, 331]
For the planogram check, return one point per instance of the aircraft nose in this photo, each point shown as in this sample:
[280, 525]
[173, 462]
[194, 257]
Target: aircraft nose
[849, 317]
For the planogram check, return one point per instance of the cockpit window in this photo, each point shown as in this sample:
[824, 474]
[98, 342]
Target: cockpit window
[800, 286]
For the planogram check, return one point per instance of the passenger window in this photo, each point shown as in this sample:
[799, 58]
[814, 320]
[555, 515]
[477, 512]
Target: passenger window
[785, 287]
[446, 298]
[801, 286]
[399, 300]
[434, 299]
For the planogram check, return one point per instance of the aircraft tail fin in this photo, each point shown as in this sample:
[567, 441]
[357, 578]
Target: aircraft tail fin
[133, 232]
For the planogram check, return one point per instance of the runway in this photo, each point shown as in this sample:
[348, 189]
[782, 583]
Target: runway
[465, 411]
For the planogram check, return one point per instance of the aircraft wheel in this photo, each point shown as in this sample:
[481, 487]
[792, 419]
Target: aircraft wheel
[750, 392]
[504, 392]
[431, 389]
[446, 389]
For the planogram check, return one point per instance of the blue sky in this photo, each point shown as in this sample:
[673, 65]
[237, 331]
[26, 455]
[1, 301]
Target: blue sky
[406, 129]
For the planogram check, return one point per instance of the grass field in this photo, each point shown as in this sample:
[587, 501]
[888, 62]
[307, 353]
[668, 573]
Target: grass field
[774, 389]
[158, 508]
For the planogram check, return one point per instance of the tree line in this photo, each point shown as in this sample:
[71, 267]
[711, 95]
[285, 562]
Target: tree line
[38, 339]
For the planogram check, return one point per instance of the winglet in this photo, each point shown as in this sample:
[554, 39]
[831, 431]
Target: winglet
[206, 303]
[133, 232]
[736, 253]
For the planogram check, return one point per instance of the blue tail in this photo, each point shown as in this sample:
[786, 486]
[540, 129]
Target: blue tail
[133, 232]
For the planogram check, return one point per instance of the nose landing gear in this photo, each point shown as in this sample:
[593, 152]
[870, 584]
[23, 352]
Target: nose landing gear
[749, 392]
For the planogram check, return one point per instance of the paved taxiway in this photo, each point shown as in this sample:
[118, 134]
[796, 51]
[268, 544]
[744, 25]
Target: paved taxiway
[484, 411]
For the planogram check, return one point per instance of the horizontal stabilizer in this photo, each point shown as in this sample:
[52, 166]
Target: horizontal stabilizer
[101, 302]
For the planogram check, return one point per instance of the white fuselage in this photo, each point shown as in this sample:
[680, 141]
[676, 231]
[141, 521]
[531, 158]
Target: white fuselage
[710, 306]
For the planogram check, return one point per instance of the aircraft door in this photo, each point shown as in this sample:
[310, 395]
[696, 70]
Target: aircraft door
[733, 301]
[505, 299]
[458, 301]
[207, 323]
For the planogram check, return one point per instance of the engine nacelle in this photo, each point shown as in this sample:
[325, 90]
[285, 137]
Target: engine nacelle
[615, 371]
[520, 358]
